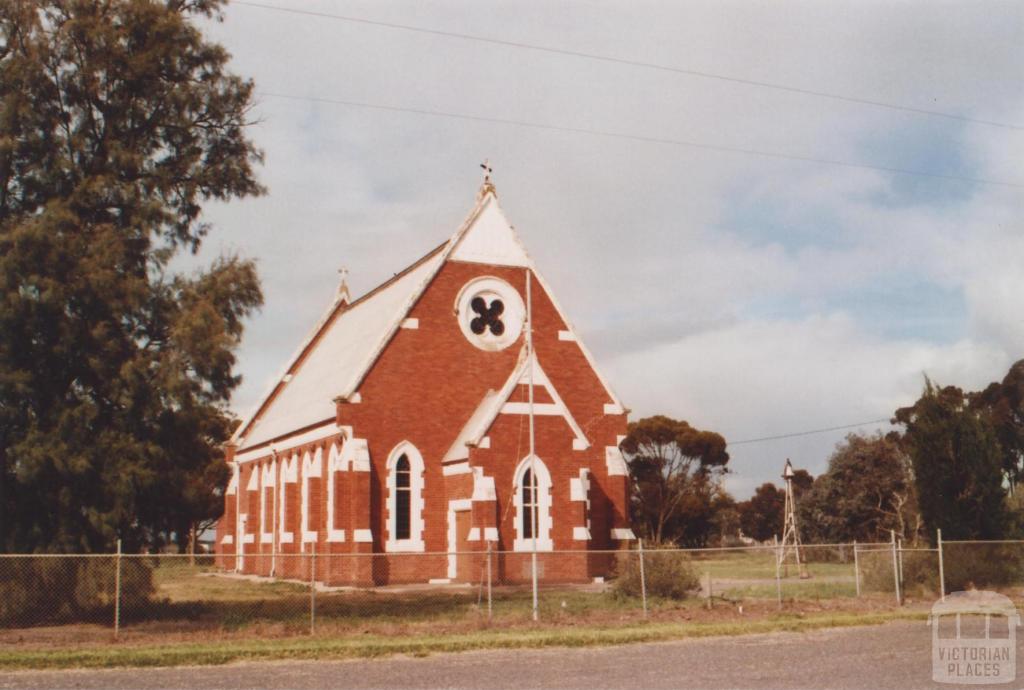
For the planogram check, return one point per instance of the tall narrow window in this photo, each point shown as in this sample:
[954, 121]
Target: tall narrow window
[405, 504]
[529, 505]
[403, 498]
[531, 497]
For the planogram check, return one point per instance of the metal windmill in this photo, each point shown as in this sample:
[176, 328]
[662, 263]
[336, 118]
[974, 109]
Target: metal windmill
[790, 546]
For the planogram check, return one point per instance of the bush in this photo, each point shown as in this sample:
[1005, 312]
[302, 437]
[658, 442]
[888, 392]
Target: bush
[967, 566]
[668, 573]
[920, 572]
[67, 589]
[981, 565]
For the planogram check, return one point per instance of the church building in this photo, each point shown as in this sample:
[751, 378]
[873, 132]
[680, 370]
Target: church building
[395, 445]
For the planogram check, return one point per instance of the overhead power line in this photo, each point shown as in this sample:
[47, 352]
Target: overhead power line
[811, 432]
[632, 63]
[640, 138]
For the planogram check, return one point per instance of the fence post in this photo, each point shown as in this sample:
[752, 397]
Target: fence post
[707, 576]
[643, 576]
[856, 566]
[490, 612]
[895, 568]
[117, 591]
[899, 551]
[312, 591]
[778, 575]
[942, 571]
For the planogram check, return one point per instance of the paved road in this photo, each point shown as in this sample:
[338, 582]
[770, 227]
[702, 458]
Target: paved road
[894, 656]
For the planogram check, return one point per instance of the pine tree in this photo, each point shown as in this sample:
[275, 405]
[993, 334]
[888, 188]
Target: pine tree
[957, 464]
[117, 122]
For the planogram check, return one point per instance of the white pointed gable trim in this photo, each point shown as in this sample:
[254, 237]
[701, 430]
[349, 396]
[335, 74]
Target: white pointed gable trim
[493, 240]
[499, 236]
[498, 240]
[616, 406]
[495, 403]
[445, 254]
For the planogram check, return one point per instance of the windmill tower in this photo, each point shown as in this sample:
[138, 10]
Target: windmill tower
[790, 546]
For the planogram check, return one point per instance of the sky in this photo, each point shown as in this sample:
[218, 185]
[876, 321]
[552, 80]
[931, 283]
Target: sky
[750, 295]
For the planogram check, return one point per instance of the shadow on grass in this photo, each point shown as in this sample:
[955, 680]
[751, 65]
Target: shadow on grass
[295, 610]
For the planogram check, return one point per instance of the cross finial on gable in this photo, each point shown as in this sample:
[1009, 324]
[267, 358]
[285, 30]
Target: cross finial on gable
[487, 186]
[343, 294]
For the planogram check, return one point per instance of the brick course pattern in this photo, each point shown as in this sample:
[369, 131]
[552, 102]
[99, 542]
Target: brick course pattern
[423, 388]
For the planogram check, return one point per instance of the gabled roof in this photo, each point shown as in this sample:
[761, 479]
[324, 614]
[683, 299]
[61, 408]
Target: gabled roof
[495, 402]
[342, 349]
[335, 356]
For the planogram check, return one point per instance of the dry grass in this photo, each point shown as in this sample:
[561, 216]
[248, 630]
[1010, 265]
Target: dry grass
[374, 645]
[202, 616]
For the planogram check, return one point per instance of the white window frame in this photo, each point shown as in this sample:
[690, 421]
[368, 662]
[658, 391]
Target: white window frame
[311, 469]
[268, 473]
[335, 463]
[543, 498]
[415, 542]
[289, 469]
[243, 517]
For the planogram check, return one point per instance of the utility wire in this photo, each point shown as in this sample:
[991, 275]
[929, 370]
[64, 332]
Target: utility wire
[632, 63]
[641, 138]
[807, 433]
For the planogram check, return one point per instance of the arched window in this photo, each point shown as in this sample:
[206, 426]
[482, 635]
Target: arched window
[532, 499]
[529, 502]
[405, 499]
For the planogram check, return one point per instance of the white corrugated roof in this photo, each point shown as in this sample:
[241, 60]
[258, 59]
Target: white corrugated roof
[340, 356]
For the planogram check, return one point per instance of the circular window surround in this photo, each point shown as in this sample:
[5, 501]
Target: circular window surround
[512, 315]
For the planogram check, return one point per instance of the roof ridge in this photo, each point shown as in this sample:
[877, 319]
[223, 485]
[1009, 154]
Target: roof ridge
[398, 276]
[338, 306]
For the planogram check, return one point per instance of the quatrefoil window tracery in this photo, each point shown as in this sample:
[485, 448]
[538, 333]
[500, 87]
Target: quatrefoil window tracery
[490, 313]
[488, 316]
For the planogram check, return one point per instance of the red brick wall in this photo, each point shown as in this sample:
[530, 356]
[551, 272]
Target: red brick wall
[423, 389]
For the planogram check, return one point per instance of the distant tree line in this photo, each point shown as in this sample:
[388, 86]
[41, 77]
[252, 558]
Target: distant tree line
[954, 464]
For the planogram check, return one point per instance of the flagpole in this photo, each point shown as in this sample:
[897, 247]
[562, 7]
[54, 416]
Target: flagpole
[534, 484]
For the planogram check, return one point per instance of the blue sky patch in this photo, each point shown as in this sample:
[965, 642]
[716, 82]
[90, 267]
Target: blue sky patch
[929, 145]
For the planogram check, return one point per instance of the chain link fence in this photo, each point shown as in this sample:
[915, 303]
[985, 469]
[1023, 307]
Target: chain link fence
[98, 596]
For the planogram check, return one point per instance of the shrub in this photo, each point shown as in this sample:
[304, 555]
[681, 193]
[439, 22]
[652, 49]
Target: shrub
[982, 565]
[967, 566]
[44, 589]
[920, 571]
[668, 573]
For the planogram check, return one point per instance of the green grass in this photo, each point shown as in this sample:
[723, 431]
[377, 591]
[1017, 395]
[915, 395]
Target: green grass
[806, 590]
[178, 582]
[199, 594]
[200, 617]
[368, 646]
[212, 601]
[753, 565]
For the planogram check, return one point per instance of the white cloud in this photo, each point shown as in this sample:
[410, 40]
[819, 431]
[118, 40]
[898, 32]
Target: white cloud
[719, 287]
[764, 378]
